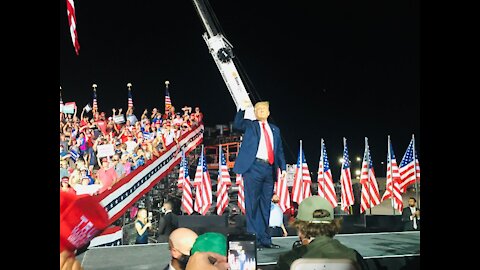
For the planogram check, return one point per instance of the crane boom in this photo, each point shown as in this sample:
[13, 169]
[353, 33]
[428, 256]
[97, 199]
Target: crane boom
[221, 50]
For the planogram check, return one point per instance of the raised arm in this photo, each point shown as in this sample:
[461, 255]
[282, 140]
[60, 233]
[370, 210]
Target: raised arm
[144, 114]
[81, 114]
[239, 122]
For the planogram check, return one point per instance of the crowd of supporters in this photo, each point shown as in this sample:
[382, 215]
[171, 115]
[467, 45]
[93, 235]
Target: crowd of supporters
[134, 142]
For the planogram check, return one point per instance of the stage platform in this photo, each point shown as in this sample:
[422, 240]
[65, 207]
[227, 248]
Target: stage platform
[384, 250]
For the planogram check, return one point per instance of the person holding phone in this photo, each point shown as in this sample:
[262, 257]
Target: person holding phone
[209, 252]
[207, 261]
[141, 226]
[260, 154]
[316, 227]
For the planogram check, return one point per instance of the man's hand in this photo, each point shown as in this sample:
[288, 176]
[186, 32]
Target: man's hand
[207, 261]
[69, 262]
[284, 173]
[417, 213]
[120, 110]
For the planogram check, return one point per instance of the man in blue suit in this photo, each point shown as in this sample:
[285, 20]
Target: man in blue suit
[260, 154]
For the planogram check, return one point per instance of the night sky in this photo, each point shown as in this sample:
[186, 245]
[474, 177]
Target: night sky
[330, 69]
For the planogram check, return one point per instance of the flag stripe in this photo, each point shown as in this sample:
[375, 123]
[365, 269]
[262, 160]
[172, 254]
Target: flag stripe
[281, 189]
[203, 196]
[409, 167]
[72, 21]
[241, 193]
[392, 187]
[223, 182]
[370, 195]
[347, 198]
[326, 189]
[186, 186]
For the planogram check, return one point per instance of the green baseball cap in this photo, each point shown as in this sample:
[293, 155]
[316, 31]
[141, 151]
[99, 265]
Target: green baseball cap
[210, 242]
[311, 204]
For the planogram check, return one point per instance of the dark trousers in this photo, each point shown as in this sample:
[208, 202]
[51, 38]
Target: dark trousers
[276, 231]
[258, 182]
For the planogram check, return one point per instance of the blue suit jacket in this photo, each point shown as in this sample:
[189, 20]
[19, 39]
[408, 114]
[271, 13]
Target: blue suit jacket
[251, 138]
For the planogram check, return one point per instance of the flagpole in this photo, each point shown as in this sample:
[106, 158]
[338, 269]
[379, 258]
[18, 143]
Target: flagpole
[61, 103]
[201, 183]
[415, 170]
[94, 110]
[219, 166]
[301, 171]
[368, 177]
[321, 160]
[391, 172]
[166, 89]
[219, 179]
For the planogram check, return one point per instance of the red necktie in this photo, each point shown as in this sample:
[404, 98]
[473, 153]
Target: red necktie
[269, 144]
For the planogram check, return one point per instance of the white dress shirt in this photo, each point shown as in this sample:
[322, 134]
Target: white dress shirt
[413, 210]
[262, 145]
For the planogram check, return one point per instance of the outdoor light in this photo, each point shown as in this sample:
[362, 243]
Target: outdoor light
[340, 160]
[357, 172]
[359, 159]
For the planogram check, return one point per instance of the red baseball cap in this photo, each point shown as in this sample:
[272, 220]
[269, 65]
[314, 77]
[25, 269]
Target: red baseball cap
[81, 219]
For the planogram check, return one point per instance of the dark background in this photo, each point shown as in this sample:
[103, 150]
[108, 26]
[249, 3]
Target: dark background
[330, 69]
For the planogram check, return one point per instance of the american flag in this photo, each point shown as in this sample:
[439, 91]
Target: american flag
[393, 180]
[95, 105]
[203, 192]
[325, 180]
[223, 182]
[186, 186]
[347, 198]
[74, 155]
[130, 99]
[370, 194]
[409, 170]
[281, 189]
[302, 180]
[168, 102]
[241, 193]
[72, 21]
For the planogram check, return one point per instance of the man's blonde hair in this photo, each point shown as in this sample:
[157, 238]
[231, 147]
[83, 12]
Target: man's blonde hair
[262, 103]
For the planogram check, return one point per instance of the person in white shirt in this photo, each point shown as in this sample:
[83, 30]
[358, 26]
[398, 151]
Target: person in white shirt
[411, 216]
[276, 226]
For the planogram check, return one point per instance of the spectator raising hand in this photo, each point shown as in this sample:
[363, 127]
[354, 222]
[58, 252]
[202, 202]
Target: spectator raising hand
[69, 262]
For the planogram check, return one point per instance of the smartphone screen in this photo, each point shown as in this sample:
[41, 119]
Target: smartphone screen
[242, 252]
